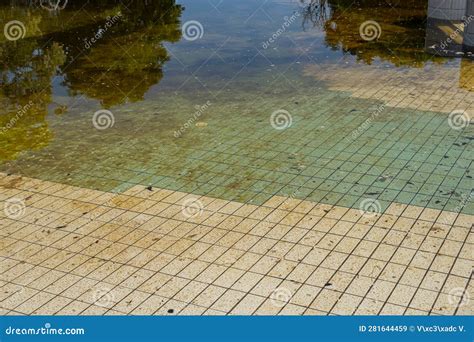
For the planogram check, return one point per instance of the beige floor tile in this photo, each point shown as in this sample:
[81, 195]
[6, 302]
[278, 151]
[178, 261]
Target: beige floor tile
[171, 307]
[423, 300]
[149, 305]
[248, 305]
[229, 277]
[228, 300]
[190, 291]
[445, 305]
[131, 302]
[369, 307]
[268, 308]
[380, 290]
[402, 295]
[208, 296]
[266, 286]
[346, 305]
[292, 310]
[301, 273]
[34, 303]
[305, 295]
[192, 310]
[52, 306]
[86, 252]
[73, 308]
[391, 309]
[325, 300]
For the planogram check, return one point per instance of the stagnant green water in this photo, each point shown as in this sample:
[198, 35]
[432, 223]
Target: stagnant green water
[195, 114]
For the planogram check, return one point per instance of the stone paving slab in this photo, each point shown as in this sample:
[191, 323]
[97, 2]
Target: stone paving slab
[67, 250]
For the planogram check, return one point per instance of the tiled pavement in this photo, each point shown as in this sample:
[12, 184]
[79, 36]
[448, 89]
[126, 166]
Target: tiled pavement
[431, 88]
[69, 250]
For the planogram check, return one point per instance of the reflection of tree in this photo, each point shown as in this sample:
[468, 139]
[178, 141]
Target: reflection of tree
[128, 58]
[130, 54]
[315, 12]
[402, 22]
[25, 92]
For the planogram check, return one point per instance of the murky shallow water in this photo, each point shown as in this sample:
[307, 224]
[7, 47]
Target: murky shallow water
[192, 110]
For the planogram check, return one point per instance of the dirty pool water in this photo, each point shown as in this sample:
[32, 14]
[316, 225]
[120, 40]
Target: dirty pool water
[266, 98]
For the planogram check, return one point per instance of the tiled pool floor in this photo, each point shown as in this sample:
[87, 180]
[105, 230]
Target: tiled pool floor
[338, 150]
[69, 250]
[428, 88]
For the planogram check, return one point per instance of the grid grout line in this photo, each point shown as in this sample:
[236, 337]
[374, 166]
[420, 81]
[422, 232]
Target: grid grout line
[283, 208]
